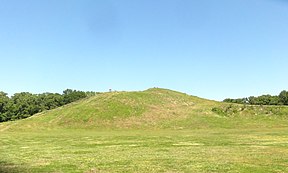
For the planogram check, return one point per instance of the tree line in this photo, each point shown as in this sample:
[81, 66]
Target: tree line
[24, 104]
[281, 99]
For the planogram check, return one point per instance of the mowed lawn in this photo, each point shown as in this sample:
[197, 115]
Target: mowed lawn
[210, 150]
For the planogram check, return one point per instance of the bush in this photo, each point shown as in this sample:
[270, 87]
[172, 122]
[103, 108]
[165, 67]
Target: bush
[219, 111]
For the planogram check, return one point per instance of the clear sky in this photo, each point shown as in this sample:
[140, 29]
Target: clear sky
[208, 48]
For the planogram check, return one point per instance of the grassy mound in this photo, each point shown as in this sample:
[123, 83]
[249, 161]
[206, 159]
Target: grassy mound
[118, 110]
[152, 109]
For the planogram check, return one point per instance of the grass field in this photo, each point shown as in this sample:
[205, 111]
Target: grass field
[217, 150]
[152, 131]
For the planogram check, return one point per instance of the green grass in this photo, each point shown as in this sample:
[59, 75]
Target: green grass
[253, 150]
[156, 130]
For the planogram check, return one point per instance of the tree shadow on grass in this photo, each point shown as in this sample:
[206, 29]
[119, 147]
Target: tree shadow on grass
[6, 167]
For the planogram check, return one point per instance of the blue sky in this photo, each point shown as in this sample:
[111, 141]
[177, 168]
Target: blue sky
[212, 49]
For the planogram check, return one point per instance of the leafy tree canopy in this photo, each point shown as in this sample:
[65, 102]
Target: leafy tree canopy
[25, 104]
[281, 99]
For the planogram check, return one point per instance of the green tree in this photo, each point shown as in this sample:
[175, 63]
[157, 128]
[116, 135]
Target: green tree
[24, 105]
[73, 95]
[275, 100]
[48, 101]
[252, 100]
[264, 100]
[4, 100]
[239, 101]
[283, 97]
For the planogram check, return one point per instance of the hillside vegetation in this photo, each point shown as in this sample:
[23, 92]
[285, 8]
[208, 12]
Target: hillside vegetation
[281, 99]
[156, 130]
[24, 104]
[153, 108]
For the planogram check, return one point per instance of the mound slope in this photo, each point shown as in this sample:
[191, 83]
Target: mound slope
[149, 109]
